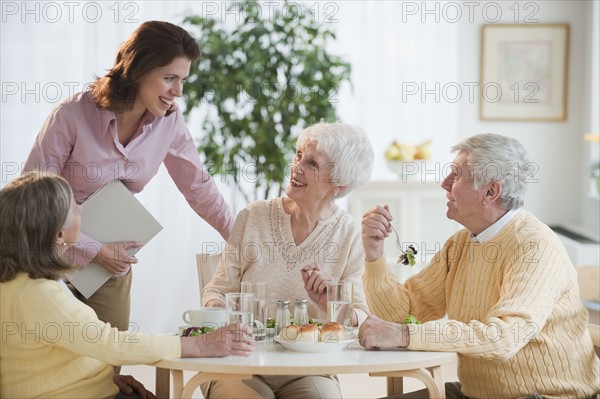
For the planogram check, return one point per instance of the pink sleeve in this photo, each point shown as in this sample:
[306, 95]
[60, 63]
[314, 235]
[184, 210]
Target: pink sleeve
[187, 171]
[53, 144]
[84, 251]
[49, 153]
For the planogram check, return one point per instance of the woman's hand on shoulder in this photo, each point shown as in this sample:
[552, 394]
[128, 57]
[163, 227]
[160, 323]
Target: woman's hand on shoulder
[233, 339]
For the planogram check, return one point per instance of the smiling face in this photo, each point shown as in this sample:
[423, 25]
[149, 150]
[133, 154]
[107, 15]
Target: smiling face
[160, 86]
[465, 205]
[310, 175]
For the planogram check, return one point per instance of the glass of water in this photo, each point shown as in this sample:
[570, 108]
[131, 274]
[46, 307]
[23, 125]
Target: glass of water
[240, 308]
[339, 302]
[259, 290]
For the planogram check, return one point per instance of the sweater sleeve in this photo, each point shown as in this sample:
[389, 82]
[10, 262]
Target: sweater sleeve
[531, 287]
[63, 321]
[422, 296]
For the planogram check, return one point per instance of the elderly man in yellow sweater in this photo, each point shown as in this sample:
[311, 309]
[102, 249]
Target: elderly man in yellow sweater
[505, 283]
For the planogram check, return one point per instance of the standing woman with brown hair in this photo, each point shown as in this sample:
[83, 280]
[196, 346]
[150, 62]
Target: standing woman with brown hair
[123, 128]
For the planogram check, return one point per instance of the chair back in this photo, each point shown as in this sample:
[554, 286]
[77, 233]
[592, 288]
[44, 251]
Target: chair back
[206, 264]
[589, 280]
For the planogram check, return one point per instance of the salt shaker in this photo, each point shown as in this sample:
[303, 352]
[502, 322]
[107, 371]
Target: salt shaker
[301, 312]
[282, 315]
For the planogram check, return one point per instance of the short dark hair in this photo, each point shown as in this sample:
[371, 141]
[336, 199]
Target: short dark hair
[152, 45]
[33, 209]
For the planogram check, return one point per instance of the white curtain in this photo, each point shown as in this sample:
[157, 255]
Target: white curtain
[54, 50]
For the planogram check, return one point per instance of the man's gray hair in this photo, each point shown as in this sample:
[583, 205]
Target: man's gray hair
[492, 157]
[349, 150]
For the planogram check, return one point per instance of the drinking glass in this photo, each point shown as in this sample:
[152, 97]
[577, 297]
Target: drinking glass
[259, 290]
[339, 302]
[240, 308]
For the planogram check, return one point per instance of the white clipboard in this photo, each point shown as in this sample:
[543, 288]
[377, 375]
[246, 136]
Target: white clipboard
[112, 214]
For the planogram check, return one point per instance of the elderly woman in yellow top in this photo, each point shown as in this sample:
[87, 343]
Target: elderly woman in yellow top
[53, 345]
[296, 243]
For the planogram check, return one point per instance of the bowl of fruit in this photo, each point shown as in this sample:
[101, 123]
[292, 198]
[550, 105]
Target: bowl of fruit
[409, 161]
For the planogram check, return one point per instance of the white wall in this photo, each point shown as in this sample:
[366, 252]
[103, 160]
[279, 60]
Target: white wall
[375, 39]
[555, 146]
[590, 207]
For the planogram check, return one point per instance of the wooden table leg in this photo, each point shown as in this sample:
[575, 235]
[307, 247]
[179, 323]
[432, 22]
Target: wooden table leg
[177, 383]
[162, 384]
[432, 377]
[438, 378]
[395, 386]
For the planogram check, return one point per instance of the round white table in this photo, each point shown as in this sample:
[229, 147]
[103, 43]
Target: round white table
[273, 359]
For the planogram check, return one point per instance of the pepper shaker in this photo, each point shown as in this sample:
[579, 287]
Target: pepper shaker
[282, 315]
[301, 312]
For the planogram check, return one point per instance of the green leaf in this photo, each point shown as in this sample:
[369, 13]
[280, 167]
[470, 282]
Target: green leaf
[257, 85]
[410, 319]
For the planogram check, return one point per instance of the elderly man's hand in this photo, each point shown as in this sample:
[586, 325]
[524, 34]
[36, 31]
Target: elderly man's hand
[375, 228]
[375, 333]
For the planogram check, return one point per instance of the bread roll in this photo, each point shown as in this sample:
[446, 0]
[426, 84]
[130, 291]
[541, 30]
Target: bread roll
[332, 332]
[308, 333]
[290, 333]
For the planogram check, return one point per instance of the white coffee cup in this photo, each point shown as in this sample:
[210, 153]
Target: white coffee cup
[202, 317]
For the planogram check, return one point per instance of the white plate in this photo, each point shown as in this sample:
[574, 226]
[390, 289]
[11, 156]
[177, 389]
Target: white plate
[315, 347]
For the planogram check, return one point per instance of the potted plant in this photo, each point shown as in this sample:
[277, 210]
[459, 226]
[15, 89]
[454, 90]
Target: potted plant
[256, 86]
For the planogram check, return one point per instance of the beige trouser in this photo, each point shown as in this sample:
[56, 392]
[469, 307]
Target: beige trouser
[275, 386]
[452, 392]
[111, 302]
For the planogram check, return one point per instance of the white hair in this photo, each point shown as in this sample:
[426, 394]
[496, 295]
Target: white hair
[349, 150]
[492, 157]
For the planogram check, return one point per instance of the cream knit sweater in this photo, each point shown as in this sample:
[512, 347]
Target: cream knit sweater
[514, 313]
[54, 346]
[261, 248]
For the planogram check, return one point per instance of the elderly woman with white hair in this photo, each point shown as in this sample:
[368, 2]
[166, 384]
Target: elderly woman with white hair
[296, 243]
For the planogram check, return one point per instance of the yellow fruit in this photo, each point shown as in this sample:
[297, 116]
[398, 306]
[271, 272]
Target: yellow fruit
[407, 152]
[400, 152]
[393, 153]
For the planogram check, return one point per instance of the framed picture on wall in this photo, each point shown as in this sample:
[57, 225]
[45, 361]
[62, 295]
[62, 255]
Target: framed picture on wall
[524, 72]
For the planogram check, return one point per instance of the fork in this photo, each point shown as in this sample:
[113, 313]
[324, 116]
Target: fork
[405, 258]
[398, 243]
